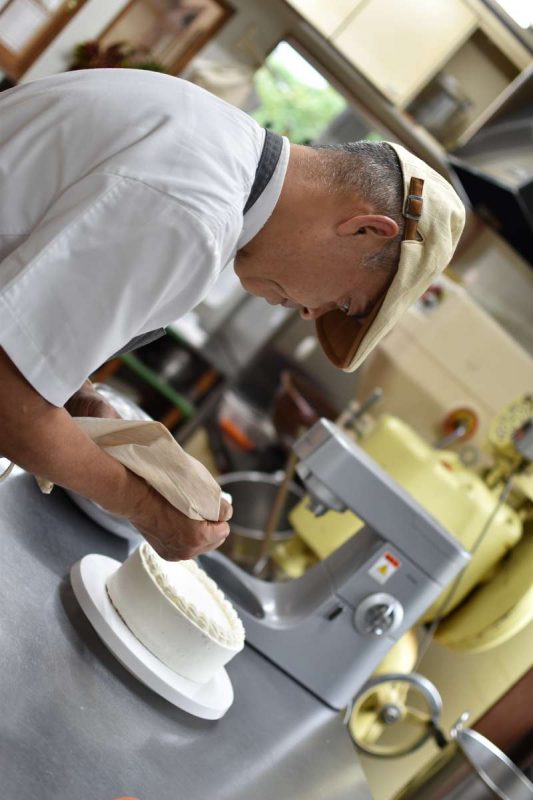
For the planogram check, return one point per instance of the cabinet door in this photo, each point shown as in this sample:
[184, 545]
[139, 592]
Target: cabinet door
[399, 45]
[325, 15]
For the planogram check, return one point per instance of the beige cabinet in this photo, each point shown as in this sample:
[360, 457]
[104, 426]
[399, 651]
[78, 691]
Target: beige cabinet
[446, 64]
[400, 45]
[326, 15]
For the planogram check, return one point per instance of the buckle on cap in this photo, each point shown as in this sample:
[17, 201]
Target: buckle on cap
[408, 212]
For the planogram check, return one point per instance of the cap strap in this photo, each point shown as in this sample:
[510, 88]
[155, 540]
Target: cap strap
[413, 207]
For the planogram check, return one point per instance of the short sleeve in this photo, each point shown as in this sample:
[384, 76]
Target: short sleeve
[112, 259]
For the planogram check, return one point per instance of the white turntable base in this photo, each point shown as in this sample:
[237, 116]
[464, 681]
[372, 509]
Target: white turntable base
[209, 700]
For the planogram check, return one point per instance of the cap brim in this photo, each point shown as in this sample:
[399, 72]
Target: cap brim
[341, 335]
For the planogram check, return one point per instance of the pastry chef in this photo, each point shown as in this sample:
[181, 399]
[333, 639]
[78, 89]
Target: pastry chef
[124, 194]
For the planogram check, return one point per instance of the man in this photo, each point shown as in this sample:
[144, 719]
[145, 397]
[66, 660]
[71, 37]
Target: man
[124, 194]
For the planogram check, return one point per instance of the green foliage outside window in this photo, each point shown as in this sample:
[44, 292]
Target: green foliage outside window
[292, 107]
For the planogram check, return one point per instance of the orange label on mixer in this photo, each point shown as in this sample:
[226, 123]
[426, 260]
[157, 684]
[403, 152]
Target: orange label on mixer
[384, 567]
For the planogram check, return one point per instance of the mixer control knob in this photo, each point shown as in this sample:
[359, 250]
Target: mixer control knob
[378, 614]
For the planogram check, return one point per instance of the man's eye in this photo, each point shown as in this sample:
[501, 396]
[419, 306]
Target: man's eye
[361, 314]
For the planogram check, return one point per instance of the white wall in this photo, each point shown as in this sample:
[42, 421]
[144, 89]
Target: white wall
[501, 281]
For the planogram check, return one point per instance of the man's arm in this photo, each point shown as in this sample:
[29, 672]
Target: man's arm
[45, 440]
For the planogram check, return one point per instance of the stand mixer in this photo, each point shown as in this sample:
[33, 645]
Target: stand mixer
[331, 627]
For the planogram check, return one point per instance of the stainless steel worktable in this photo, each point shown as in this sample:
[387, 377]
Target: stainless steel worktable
[75, 725]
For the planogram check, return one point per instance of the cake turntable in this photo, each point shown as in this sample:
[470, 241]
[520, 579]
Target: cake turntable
[208, 701]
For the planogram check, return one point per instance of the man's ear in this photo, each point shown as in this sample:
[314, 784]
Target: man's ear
[374, 224]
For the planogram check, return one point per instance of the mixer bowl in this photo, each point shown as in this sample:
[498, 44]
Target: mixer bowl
[253, 495]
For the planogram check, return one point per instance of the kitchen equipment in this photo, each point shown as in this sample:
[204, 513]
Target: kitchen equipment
[456, 496]
[497, 609]
[493, 767]
[274, 517]
[508, 429]
[253, 496]
[330, 628]
[209, 700]
[470, 768]
[395, 714]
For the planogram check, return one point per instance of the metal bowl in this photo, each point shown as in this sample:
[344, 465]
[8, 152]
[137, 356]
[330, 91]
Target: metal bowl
[120, 526]
[253, 495]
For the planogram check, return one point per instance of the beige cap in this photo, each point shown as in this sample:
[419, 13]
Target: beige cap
[434, 211]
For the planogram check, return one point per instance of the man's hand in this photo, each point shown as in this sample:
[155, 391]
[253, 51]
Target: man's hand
[86, 402]
[46, 441]
[173, 535]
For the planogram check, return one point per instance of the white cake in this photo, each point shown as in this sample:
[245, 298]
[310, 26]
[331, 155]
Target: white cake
[177, 612]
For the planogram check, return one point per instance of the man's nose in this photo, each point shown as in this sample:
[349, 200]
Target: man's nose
[314, 313]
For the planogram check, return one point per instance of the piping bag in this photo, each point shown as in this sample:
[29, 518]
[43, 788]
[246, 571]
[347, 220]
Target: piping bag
[149, 450]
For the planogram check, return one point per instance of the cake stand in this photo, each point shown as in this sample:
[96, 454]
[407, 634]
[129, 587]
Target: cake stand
[208, 700]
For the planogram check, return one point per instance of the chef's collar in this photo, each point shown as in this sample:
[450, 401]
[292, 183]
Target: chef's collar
[261, 209]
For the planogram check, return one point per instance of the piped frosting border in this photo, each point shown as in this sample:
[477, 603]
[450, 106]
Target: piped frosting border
[232, 637]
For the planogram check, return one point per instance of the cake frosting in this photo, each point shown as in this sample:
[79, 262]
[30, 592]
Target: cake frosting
[177, 612]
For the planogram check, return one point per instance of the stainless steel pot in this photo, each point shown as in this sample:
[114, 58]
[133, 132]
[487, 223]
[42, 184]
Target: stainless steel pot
[253, 495]
[472, 768]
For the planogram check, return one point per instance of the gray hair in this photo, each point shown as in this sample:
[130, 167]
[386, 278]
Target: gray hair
[372, 170]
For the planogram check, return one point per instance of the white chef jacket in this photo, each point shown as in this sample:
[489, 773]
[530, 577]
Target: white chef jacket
[121, 199]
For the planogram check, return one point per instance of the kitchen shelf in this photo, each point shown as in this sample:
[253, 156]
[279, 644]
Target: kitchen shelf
[168, 379]
[423, 57]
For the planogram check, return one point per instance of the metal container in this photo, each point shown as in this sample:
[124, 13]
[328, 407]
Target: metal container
[472, 768]
[253, 495]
